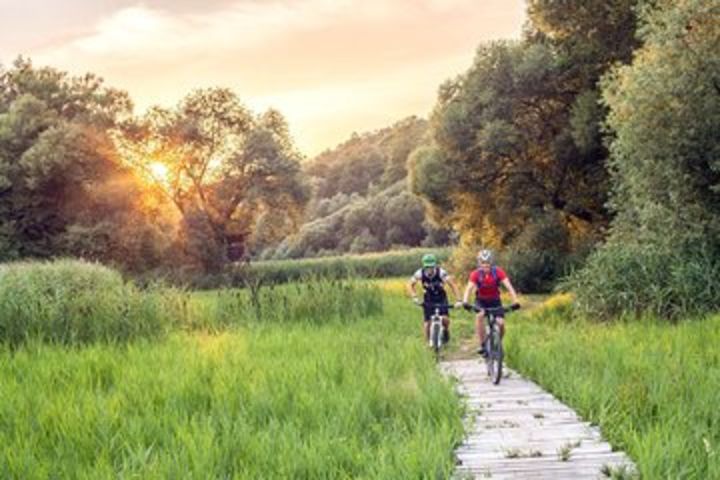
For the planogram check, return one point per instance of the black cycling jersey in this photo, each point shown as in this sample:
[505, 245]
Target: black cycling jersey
[433, 285]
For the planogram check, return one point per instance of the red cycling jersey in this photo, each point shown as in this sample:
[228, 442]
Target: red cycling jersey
[488, 287]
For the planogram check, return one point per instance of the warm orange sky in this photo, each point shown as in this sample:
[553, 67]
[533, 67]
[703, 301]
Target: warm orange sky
[331, 66]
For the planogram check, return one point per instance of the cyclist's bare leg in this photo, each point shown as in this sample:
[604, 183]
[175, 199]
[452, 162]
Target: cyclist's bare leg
[446, 322]
[480, 327]
[426, 329]
[501, 322]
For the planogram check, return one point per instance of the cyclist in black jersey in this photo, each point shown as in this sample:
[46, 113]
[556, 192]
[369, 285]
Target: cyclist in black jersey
[433, 280]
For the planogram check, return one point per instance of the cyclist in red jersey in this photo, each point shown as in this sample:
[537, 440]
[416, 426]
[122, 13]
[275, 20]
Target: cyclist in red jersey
[486, 281]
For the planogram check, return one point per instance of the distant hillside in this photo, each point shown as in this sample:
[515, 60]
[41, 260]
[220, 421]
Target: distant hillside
[360, 201]
[376, 158]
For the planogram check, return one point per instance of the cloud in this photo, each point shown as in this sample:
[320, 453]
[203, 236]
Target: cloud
[327, 64]
[141, 32]
[148, 31]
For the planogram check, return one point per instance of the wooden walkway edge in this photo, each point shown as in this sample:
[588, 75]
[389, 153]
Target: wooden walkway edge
[516, 430]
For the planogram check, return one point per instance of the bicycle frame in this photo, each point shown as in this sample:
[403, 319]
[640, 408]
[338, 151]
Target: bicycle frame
[493, 341]
[493, 346]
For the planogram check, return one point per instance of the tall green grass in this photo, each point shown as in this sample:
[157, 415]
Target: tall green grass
[370, 265]
[74, 302]
[315, 301]
[271, 400]
[315, 379]
[651, 386]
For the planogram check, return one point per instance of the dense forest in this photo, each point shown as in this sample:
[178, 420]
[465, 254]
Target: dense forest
[590, 145]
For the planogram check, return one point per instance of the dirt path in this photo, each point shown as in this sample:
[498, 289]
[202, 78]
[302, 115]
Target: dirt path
[516, 430]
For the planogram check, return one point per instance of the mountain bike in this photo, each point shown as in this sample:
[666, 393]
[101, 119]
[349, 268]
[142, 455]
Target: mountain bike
[493, 341]
[437, 329]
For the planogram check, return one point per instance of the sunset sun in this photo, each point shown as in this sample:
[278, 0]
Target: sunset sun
[159, 171]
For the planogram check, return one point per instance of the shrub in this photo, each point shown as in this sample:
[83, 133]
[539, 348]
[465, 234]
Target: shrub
[534, 271]
[632, 279]
[74, 302]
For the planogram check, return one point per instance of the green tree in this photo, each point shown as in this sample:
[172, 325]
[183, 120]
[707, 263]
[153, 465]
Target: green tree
[404, 216]
[504, 151]
[365, 242]
[430, 177]
[518, 138]
[665, 166]
[226, 167]
[401, 140]
[55, 155]
[665, 119]
[593, 33]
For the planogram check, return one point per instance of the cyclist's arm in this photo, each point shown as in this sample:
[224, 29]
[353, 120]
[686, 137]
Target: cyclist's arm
[506, 283]
[469, 290]
[453, 286]
[410, 287]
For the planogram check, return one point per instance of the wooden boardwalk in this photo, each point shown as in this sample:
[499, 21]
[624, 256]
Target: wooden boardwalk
[516, 430]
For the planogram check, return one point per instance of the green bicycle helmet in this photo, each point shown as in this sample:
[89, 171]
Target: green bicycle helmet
[429, 260]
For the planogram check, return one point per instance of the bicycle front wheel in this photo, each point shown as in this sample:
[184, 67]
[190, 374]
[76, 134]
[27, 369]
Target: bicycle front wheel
[495, 357]
[435, 337]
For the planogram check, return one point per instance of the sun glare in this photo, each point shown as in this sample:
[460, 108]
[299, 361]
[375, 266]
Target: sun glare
[159, 171]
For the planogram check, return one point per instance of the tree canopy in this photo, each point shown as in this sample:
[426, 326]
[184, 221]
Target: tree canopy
[598, 128]
[517, 140]
[81, 176]
[61, 184]
[664, 120]
[224, 168]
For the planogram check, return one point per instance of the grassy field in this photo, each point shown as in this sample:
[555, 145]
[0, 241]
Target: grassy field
[259, 385]
[650, 385]
[321, 379]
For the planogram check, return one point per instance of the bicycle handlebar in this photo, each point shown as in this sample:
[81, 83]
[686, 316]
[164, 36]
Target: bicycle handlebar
[467, 306]
[435, 305]
[506, 308]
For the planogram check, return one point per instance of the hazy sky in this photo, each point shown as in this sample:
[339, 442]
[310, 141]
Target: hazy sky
[331, 66]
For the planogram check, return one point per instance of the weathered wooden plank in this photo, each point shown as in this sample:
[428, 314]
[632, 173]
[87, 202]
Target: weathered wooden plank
[518, 430]
[595, 465]
[542, 444]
